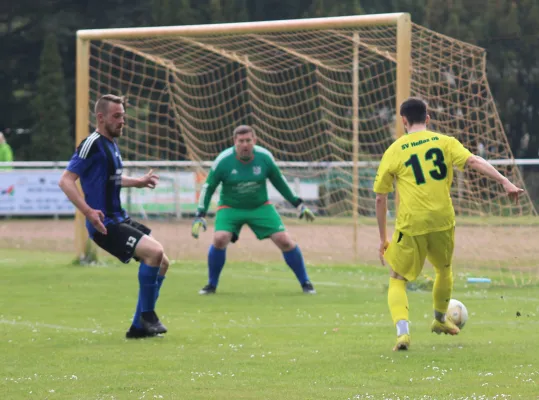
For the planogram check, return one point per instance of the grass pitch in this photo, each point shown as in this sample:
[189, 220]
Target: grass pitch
[62, 336]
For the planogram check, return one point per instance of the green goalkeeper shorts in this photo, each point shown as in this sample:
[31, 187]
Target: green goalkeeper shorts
[264, 220]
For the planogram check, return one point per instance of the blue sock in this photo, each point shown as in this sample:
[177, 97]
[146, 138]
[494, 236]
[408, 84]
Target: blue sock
[160, 279]
[294, 259]
[147, 277]
[136, 317]
[216, 262]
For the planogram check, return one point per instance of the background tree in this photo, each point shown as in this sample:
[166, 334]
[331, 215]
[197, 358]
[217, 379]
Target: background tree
[52, 136]
[507, 29]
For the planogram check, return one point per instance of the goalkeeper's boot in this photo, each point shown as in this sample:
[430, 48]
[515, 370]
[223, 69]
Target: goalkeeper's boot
[308, 288]
[151, 323]
[208, 289]
[447, 327]
[403, 342]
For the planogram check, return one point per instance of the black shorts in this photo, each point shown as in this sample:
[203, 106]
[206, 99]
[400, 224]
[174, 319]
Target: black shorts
[121, 239]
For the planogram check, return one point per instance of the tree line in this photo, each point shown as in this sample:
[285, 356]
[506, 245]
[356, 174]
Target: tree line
[37, 49]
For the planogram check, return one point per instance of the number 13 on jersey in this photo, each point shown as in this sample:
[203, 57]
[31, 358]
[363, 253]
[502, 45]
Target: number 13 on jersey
[434, 160]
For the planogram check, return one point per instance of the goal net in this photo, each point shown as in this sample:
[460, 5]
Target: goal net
[323, 97]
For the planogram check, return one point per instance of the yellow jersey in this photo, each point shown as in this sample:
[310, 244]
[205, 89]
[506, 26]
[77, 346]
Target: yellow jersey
[422, 164]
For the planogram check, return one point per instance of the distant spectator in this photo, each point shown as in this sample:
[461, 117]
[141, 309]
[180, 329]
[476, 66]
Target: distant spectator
[6, 154]
[481, 150]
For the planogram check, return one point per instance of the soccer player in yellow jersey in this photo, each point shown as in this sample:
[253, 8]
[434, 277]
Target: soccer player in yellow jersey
[421, 163]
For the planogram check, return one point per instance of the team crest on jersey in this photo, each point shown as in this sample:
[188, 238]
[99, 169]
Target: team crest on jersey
[257, 170]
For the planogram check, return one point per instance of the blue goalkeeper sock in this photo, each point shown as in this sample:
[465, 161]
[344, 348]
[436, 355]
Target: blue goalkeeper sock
[216, 262]
[294, 259]
[138, 312]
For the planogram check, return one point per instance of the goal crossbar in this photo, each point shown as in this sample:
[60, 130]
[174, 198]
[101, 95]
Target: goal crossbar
[243, 27]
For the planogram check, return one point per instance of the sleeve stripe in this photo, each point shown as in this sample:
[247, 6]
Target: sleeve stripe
[88, 145]
[202, 195]
[222, 156]
[290, 186]
[265, 151]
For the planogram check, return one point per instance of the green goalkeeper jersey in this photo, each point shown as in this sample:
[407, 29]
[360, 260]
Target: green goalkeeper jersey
[244, 183]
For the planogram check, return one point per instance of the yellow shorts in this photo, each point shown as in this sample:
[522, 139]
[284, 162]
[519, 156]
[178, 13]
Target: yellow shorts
[406, 254]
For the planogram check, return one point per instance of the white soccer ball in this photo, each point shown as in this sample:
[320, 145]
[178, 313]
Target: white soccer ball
[457, 312]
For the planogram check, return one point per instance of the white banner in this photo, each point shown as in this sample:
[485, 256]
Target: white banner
[175, 193]
[33, 192]
[36, 192]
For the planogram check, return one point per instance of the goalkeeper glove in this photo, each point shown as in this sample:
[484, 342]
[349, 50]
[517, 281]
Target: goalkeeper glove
[305, 212]
[199, 222]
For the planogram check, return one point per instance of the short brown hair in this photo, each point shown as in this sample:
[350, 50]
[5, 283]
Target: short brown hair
[102, 104]
[242, 130]
[415, 110]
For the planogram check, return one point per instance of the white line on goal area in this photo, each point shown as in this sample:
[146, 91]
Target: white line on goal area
[328, 326]
[469, 293]
[36, 325]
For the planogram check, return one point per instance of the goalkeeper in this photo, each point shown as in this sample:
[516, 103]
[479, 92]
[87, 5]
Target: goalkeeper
[243, 170]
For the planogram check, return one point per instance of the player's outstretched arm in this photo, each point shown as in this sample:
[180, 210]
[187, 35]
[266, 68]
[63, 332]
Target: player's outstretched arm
[68, 184]
[208, 189]
[279, 182]
[485, 168]
[149, 180]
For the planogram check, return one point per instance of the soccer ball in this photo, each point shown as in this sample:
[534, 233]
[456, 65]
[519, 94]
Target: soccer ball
[457, 313]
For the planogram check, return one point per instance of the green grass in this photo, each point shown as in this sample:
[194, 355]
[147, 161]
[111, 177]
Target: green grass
[62, 336]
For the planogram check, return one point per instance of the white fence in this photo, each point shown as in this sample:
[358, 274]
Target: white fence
[31, 188]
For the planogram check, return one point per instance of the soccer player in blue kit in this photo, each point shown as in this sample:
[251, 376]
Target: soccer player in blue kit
[98, 165]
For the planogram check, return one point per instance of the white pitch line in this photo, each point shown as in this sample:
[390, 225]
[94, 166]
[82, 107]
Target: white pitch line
[463, 294]
[329, 326]
[276, 279]
[293, 279]
[275, 326]
[49, 326]
[366, 285]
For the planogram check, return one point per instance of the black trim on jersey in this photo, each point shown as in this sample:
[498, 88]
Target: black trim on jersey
[298, 201]
[111, 184]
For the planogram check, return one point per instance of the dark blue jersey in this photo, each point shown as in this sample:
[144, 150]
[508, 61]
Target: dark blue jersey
[99, 165]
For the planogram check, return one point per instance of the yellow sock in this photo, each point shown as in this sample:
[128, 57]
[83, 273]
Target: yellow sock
[397, 300]
[443, 287]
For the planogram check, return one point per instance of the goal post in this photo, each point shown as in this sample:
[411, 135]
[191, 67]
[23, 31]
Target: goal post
[82, 127]
[324, 91]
